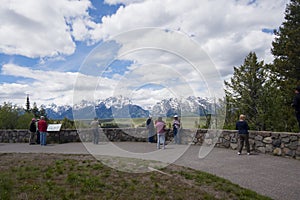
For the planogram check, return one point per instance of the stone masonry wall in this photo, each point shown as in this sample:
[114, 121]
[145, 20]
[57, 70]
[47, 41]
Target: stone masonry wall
[276, 143]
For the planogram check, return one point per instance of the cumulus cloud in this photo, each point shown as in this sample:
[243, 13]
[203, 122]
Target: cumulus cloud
[41, 28]
[225, 30]
[47, 87]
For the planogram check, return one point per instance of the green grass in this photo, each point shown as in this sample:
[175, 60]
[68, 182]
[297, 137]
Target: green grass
[52, 176]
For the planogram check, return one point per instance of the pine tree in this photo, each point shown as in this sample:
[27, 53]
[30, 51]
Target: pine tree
[286, 67]
[245, 89]
[286, 47]
[27, 104]
[43, 112]
[35, 110]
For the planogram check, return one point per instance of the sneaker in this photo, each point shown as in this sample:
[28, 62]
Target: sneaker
[248, 154]
[239, 153]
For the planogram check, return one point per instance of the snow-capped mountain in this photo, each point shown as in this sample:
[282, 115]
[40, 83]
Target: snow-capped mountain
[122, 107]
[54, 111]
[191, 106]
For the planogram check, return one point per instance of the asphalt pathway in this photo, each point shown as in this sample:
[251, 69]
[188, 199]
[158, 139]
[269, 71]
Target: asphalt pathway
[276, 177]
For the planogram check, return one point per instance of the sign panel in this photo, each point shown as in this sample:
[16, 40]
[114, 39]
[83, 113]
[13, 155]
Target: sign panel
[54, 127]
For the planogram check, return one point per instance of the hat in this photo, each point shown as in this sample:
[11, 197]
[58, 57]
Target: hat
[297, 88]
[33, 119]
[175, 115]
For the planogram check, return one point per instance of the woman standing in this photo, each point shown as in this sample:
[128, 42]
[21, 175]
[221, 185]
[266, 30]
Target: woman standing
[242, 127]
[160, 130]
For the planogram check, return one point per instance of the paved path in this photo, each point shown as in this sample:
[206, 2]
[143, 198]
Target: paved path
[276, 177]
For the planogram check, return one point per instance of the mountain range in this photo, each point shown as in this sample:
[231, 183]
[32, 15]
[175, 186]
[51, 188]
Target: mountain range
[122, 107]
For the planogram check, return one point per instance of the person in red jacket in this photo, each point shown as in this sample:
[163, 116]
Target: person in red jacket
[42, 127]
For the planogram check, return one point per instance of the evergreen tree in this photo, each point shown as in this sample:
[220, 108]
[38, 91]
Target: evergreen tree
[244, 90]
[286, 47]
[24, 120]
[286, 67]
[43, 112]
[35, 110]
[8, 116]
[27, 104]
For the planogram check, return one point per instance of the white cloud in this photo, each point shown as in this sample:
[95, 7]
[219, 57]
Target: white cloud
[47, 87]
[227, 30]
[38, 28]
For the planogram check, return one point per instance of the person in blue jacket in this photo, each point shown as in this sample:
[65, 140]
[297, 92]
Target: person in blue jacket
[242, 127]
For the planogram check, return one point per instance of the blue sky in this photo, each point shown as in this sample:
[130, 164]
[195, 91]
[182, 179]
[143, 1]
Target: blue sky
[47, 47]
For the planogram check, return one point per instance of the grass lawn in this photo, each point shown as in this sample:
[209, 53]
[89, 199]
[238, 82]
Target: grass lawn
[53, 176]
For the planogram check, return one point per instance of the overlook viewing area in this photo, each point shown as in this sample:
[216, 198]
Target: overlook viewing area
[274, 176]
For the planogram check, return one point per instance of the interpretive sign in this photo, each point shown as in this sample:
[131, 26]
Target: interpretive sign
[54, 127]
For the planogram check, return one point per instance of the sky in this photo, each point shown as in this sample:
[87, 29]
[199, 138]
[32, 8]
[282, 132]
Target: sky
[66, 51]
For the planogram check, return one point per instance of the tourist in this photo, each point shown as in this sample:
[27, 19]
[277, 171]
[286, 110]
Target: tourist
[42, 127]
[242, 127]
[160, 130]
[32, 131]
[38, 136]
[176, 127]
[95, 129]
[296, 104]
[151, 129]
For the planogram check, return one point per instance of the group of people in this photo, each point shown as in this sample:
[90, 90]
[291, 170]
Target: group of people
[159, 129]
[38, 131]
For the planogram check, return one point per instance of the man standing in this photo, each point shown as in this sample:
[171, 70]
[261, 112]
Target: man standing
[95, 130]
[296, 104]
[42, 126]
[151, 129]
[176, 127]
[32, 131]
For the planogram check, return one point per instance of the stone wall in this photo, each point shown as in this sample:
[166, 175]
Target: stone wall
[276, 143]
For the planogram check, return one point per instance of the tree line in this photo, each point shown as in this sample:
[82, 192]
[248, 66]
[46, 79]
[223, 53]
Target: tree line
[13, 117]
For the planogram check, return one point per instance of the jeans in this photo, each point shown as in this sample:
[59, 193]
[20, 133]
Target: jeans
[176, 136]
[43, 138]
[161, 140]
[38, 137]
